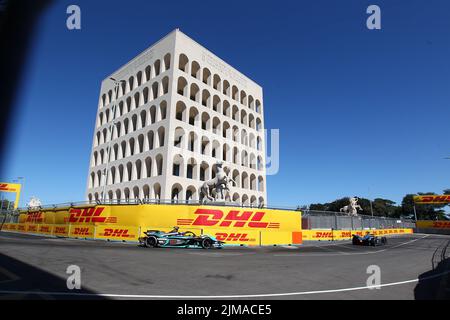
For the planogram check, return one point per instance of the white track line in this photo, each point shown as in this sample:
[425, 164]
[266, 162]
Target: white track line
[268, 295]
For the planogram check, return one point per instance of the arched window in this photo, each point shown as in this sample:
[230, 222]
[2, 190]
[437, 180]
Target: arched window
[183, 63]
[195, 70]
[161, 137]
[167, 59]
[206, 76]
[157, 67]
[180, 111]
[178, 166]
[194, 93]
[193, 116]
[182, 86]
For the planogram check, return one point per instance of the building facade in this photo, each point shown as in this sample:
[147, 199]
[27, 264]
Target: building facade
[177, 112]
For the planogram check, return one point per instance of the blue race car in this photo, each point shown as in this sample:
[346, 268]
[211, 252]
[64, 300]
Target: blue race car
[368, 240]
[156, 238]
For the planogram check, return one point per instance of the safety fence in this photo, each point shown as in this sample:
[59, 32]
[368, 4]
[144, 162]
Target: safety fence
[312, 219]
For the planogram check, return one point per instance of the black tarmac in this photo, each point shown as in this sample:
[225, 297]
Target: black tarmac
[411, 267]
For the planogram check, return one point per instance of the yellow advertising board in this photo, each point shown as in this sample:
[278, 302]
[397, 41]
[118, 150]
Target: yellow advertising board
[81, 231]
[116, 232]
[331, 235]
[14, 188]
[32, 228]
[61, 230]
[436, 224]
[234, 225]
[45, 229]
[432, 199]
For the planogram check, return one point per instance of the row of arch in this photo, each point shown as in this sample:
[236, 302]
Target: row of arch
[178, 194]
[127, 148]
[214, 124]
[131, 124]
[215, 149]
[193, 68]
[133, 102]
[143, 76]
[156, 139]
[190, 169]
[131, 171]
[214, 102]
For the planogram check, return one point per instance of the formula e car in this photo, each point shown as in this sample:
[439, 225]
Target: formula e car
[188, 239]
[368, 240]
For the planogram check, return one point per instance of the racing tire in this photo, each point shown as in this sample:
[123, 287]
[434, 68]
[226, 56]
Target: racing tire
[206, 243]
[151, 242]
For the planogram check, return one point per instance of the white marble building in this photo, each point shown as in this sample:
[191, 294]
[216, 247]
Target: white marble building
[179, 110]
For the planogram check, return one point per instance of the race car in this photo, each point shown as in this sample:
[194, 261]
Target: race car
[368, 240]
[156, 238]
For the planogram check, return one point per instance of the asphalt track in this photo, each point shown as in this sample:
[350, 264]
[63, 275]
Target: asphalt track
[412, 267]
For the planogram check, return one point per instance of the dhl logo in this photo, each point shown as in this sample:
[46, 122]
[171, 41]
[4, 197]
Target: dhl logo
[234, 218]
[35, 217]
[441, 224]
[234, 237]
[432, 199]
[88, 215]
[320, 234]
[21, 228]
[32, 228]
[81, 231]
[346, 234]
[60, 230]
[44, 229]
[5, 187]
[119, 233]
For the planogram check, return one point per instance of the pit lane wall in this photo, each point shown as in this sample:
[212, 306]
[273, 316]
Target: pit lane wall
[433, 226]
[332, 235]
[234, 225]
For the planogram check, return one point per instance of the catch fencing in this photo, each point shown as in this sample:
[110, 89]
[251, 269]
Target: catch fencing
[312, 219]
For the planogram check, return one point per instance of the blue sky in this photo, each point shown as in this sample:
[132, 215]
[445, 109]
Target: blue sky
[360, 112]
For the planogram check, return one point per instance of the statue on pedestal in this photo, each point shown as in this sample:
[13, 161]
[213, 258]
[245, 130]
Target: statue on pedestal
[216, 188]
[352, 208]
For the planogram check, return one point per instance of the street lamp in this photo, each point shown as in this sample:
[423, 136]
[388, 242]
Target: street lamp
[111, 128]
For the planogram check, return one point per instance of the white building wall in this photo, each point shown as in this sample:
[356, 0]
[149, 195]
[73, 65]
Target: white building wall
[164, 107]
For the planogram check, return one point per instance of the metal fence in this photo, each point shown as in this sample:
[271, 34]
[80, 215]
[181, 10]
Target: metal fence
[336, 220]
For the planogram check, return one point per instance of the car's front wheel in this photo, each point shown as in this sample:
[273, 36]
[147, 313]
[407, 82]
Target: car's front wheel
[206, 243]
[152, 242]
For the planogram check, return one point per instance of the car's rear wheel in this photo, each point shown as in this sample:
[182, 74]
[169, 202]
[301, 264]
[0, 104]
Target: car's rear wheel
[152, 242]
[206, 243]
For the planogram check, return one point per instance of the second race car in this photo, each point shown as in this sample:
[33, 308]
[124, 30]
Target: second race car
[156, 238]
[368, 240]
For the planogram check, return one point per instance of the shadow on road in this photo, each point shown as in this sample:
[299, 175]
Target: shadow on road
[435, 284]
[21, 281]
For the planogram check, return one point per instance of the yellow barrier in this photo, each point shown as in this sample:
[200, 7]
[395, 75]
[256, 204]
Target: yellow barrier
[330, 235]
[433, 224]
[61, 230]
[81, 231]
[234, 225]
[114, 232]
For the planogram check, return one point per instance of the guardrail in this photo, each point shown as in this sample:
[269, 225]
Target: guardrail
[312, 219]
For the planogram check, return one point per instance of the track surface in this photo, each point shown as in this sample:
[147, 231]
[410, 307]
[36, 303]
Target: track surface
[38, 264]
